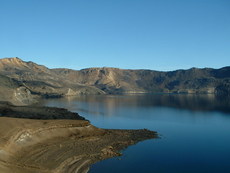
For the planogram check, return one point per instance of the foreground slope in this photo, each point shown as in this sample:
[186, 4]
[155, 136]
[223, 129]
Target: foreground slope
[57, 146]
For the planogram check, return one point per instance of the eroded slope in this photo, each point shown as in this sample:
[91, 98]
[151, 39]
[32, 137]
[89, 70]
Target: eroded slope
[56, 146]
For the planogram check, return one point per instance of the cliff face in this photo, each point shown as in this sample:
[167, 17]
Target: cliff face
[23, 81]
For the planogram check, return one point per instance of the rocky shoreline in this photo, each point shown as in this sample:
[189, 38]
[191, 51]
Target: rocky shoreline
[64, 145]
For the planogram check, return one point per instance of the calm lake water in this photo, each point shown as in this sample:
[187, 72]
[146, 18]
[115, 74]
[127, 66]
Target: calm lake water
[194, 131]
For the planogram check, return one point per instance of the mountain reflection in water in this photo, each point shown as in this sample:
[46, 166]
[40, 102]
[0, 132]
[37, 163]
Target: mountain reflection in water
[194, 130]
[193, 102]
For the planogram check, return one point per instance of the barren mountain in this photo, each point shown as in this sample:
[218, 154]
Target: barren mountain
[31, 79]
[113, 80]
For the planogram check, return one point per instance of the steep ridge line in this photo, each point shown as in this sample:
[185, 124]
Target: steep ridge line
[39, 81]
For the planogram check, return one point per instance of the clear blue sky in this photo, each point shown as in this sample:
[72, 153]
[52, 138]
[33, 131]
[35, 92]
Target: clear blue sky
[134, 34]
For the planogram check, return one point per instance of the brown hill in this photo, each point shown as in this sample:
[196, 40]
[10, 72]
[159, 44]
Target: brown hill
[38, 80]
[31, 80]
[117, 81]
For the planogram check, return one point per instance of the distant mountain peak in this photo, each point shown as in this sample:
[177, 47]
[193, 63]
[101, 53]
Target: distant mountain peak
[15, 64]
[15, 61]
[12, 59]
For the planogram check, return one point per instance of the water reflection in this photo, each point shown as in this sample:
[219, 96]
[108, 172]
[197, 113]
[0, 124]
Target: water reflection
[194, 129]
[112, 103]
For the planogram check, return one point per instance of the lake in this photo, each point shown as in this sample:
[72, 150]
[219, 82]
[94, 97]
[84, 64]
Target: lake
[194, 131]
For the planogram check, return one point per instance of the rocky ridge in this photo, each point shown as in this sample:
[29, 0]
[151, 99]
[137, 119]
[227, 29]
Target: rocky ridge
[30, 80]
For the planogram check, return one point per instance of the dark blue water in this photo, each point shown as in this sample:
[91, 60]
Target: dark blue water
[194, 130]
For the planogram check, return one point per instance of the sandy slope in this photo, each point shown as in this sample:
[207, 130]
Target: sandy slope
[53, 146]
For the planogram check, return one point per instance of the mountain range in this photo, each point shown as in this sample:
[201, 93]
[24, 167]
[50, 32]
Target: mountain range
[24, 82]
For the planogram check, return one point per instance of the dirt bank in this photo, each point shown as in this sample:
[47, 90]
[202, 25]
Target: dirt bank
[58, 146]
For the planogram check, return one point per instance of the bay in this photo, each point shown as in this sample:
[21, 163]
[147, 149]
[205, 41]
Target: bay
[193, 129]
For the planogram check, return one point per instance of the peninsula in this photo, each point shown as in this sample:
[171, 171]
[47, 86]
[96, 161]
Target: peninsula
[54, 140]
